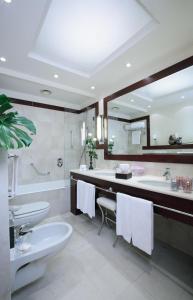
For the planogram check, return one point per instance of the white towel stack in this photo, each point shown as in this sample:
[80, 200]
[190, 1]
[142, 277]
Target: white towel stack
[86, 198]
[135, 221]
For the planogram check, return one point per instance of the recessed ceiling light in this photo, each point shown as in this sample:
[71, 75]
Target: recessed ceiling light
[46, 92]
[56, 76]
[8, 1]
[3, 59]
[128, 65]
[149, 106]
[182, 97]
[115, 108]
[92, 87]
[132, 100]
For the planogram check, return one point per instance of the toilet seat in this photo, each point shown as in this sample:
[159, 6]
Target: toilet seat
[31, 209]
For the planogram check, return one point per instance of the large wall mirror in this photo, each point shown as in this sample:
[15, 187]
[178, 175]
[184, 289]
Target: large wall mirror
[152, 120]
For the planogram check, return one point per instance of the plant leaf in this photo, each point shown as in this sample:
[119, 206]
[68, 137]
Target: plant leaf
[22, 135]
[22, 121]
[5, 106]
[11, 136]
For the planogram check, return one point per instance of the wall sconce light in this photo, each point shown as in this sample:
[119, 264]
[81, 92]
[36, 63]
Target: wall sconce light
[100, 123]
[83, 133]
[100, 128]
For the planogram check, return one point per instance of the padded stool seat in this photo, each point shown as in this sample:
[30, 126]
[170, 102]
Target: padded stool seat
[107, 203]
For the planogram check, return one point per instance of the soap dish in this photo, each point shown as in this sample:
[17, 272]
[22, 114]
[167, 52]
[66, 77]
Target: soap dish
[123, 176]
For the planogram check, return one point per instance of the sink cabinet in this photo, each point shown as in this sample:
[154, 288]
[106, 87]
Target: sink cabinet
[172, 202]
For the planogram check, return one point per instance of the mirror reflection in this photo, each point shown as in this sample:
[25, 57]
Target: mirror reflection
[168, 103]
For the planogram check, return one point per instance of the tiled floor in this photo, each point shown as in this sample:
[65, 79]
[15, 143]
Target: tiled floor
[89, 268]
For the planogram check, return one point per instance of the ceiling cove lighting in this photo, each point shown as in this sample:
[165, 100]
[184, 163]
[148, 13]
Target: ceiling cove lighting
[3, 59]
[56, 76]
[108, 29]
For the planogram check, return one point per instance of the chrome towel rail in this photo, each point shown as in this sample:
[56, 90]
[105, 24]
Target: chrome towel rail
[155, 205]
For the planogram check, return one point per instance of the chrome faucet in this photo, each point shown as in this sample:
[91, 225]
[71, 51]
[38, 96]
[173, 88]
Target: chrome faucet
[22, 230]
[167, 174]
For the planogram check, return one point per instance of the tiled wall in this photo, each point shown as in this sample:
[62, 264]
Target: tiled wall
[46, 148]
[176, 234]
[58, 136]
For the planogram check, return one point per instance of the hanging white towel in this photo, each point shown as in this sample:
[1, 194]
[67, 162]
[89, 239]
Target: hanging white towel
[136, 137]
[86, 198]
[123, 216]
[142, 224]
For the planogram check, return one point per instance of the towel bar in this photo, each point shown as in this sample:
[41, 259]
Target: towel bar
[155, 205]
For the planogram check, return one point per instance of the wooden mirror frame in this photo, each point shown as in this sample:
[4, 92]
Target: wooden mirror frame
[151, 157]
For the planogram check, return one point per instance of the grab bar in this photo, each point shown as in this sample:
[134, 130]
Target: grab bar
[12, 155]
[155, 205]
[38, 172]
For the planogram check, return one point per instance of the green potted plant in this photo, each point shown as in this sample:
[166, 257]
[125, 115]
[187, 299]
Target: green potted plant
[91, 149]
[12, 135]
[111, 144]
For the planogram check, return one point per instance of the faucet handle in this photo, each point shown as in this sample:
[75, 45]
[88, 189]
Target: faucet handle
[24, 229]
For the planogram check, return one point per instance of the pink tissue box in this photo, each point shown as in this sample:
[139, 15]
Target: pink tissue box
[137, 170]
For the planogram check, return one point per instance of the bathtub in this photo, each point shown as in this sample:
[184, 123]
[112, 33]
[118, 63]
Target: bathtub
[42, 187]
[56, 193]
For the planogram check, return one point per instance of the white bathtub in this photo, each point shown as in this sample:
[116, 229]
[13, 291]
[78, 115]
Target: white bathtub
[42, 187]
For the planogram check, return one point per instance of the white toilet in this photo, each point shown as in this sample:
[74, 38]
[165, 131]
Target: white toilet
[30, 214]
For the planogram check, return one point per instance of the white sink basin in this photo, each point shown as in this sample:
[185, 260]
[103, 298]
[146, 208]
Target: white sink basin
[152, 182]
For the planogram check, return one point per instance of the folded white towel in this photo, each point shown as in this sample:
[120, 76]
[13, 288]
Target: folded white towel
[134, 220]
[86, 198]
[136, 137]
[142, 224]
[123, 216]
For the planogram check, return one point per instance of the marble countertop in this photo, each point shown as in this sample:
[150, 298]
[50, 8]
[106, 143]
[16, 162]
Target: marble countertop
[135, 181]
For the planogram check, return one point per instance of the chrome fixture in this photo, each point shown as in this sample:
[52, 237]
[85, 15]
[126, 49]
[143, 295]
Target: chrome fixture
[59, 162]
[21, 230]
[167, 174]
[38, 172]
[24, 229]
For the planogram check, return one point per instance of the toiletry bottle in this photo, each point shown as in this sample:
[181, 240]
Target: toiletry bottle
[11, 230]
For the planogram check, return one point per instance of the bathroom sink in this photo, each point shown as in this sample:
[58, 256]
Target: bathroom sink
[158, 183]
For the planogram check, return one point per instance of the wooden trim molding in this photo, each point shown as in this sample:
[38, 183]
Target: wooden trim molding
[150, 157]
[53, 107]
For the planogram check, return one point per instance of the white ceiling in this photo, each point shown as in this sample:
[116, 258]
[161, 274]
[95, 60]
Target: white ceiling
[84, 37]
[26, 28]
